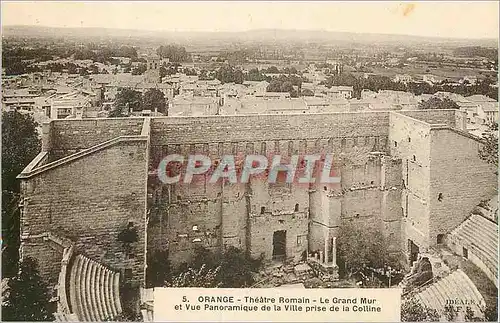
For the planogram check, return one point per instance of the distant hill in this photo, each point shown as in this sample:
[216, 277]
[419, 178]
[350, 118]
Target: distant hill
[261, 35]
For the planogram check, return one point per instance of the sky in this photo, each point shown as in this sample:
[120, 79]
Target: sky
[460, 19]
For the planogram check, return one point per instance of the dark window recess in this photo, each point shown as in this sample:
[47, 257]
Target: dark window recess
[297, 207]
[414, 158]
[465, 253]
[409, 139]
[395, 143]
[440, 238]
[262, 210]
[440, 197]
[127, 274]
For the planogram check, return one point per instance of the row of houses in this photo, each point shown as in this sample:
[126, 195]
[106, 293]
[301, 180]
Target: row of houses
[481, 110]
[60, 95]
[435, 79]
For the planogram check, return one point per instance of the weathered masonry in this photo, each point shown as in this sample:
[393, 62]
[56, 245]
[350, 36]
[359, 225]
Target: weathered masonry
[413, 175]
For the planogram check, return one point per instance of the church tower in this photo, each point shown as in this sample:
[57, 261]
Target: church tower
[152, 74]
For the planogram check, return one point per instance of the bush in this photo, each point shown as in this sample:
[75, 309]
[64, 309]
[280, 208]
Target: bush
[158, 269]
[27, 298]
[128, 235]
[359, 248]
[413, 311]
[235, 268]
[204, 277]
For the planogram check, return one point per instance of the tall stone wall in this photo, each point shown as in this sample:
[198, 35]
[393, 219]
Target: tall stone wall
[442, 175]
[459, 179]
[384, 159]
[233, 212]
[48, 256]
[64, 137]
[186, 130]
[409, 141]
[435, 116]
[90, 200]
[391, 210]
[278, 207]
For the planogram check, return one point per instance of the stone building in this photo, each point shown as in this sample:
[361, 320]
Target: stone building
[413, 175]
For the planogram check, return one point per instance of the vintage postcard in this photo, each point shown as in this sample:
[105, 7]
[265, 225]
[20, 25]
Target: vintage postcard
[227, 161]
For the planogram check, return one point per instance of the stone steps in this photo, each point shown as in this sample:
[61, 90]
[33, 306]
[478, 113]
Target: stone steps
[480, 241]
[481, 249]
[94, 290]
[455, 286]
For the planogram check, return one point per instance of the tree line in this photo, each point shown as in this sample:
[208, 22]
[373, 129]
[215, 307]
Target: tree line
[381, 82]
[22, 60]
[174, 53]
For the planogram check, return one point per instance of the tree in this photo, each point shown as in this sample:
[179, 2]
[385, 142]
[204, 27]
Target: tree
[139, 70]
[470, 316]
[255, 75]
[83, 72]
[154, 100]
[234, 267]
[273, 70]
[229, 74]
[174, 53]
[285, 84]
[158, 268]
[359, 248]
[290, 70]
[491, 313]
[237, 268]
[205, 75]
[190, 72]
[94, 69]
[72, 68]
[27, 297]
[169, 69]
[413, 311]
[489, 150]
[437, 103]
[20, 144]
[450, 312]
[126, 99]
[163, 71]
